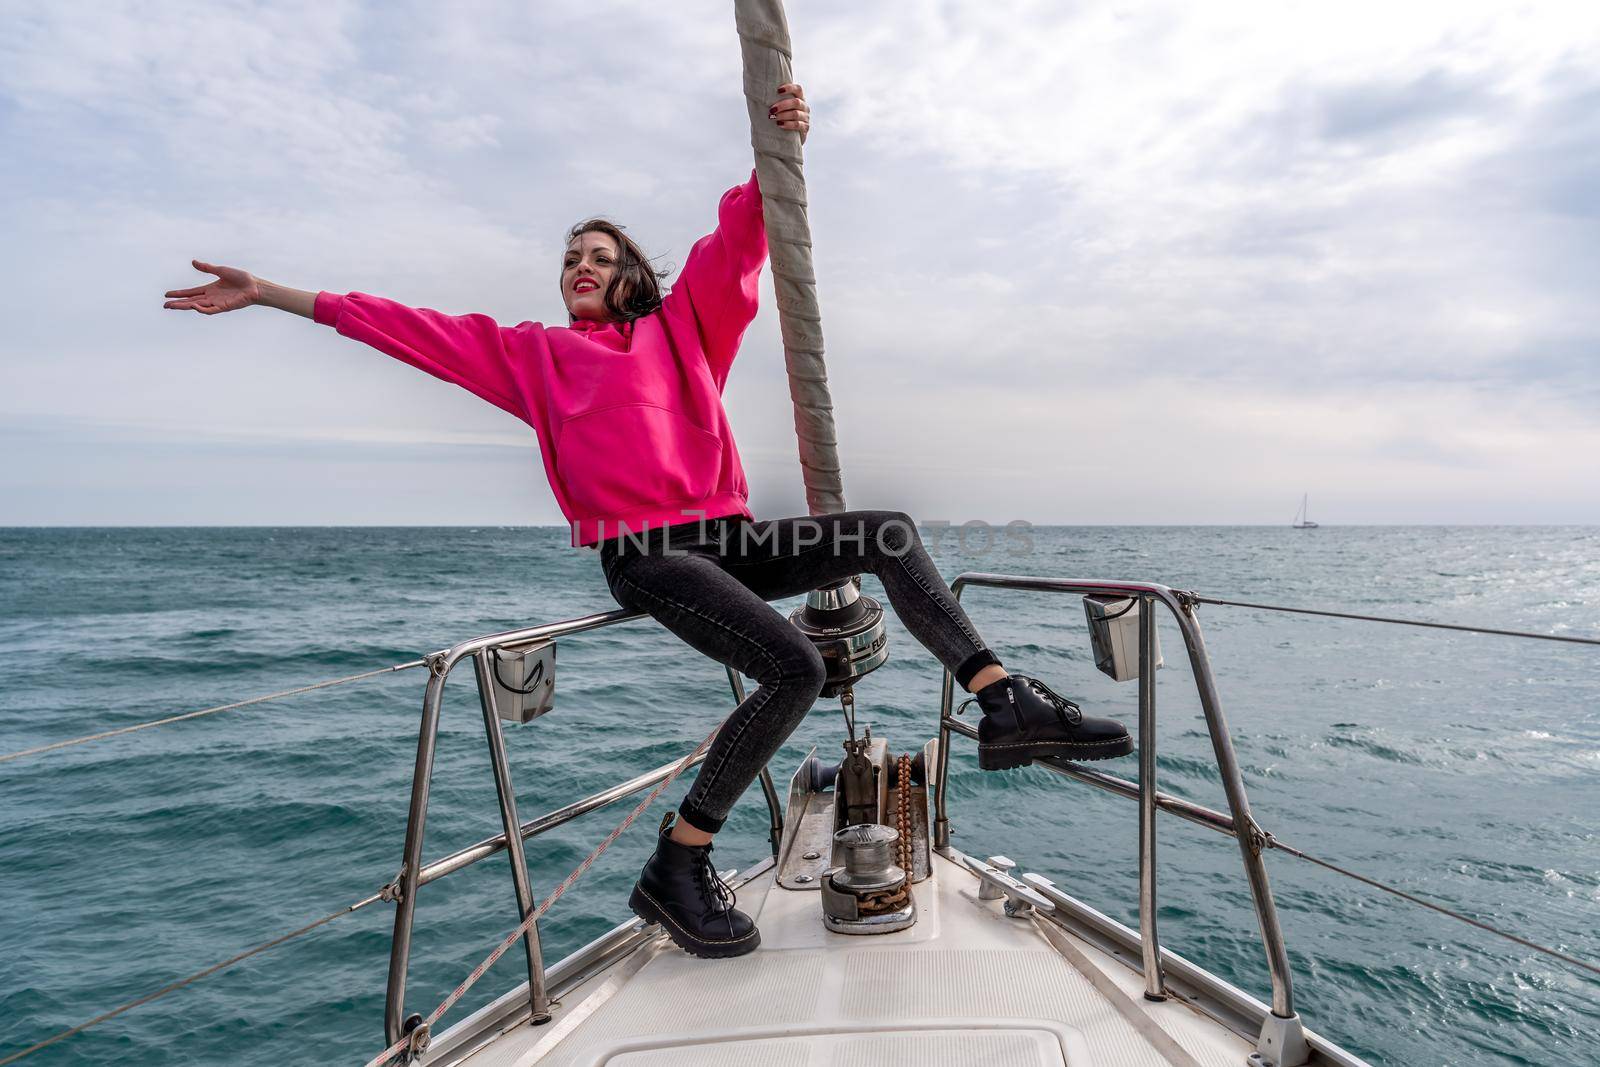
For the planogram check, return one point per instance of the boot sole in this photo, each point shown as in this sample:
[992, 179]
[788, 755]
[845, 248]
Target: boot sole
[1020, 754]
[645, 906]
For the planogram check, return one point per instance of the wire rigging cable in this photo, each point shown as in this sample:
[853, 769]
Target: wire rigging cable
[449, 1001]
[1424, 623]
[330, 683]
[173, 987]
[1272, 842]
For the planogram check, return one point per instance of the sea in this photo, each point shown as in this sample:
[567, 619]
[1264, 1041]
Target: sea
[1458, 767]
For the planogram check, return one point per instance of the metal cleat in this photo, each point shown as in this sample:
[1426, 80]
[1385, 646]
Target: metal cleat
[996, 882]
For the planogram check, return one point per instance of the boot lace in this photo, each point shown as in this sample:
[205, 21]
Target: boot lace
[717, 895]
[1070, 713]
[965, 702]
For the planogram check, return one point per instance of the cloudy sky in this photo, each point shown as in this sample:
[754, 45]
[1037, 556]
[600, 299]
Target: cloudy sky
[1078, 262]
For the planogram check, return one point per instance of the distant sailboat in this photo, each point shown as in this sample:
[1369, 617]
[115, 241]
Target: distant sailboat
[1302, 520]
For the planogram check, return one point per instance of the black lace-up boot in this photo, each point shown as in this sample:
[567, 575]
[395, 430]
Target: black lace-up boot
[680, 889]
[1023, 719]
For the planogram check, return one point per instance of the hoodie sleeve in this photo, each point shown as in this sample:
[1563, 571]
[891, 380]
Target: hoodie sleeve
[472, 351]
[719, 284]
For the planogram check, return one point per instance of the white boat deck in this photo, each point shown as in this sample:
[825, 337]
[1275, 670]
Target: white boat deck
[966, 985]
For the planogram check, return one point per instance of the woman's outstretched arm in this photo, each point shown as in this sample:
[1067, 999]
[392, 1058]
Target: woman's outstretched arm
[472, 351]
[235, 289]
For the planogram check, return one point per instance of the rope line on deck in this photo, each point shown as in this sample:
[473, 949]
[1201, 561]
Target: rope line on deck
[1427, 624]
[1273, 842]
[533, 916]
[173, 987]
[53, 746]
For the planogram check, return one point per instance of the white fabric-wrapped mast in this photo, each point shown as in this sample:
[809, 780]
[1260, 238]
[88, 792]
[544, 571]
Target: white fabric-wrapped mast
[764, 42]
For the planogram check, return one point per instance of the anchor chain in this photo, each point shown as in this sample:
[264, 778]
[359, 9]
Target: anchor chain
[882, 902]
[902, 812]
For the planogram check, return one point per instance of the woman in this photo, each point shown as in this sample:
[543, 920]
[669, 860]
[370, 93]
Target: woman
[626, 403]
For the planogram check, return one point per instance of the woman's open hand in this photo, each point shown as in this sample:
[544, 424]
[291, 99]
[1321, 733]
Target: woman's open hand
[233, 289]
[791, 112]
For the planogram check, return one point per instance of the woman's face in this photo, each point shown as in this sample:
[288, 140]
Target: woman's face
[586, 273]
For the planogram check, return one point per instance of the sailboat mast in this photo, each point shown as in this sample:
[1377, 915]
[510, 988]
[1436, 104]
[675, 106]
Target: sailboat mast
[764, 44]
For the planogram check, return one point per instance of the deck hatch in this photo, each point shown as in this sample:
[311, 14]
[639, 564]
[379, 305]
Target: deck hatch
[895, 1048]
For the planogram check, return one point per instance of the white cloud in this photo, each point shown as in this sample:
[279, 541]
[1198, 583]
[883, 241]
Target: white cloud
[1348, 248]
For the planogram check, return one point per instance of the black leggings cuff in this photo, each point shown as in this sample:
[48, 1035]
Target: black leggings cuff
[699, 819]
[974, 663]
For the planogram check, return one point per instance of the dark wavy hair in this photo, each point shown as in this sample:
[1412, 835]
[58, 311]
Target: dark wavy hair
[635, 289]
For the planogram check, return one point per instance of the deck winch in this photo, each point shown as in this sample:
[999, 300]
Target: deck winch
[857, 831]
[870, 894]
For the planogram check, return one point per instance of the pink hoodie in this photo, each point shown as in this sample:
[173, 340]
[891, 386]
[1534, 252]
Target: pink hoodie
[628, 416]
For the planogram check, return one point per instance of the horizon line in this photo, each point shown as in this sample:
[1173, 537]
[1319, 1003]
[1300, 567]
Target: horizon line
[952, 526]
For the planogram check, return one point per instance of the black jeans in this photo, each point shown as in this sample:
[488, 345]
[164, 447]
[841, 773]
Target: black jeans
[708, 581]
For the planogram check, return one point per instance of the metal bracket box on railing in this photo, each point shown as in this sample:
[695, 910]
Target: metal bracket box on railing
[524, 681]
[1115, 633]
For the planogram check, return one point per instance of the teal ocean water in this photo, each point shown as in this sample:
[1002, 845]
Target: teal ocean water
[1463, 768]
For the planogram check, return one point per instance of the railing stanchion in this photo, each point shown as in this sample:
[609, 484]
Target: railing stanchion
[538, 999]
[768, 788]
[941, 772]
[1150, 940]
[1244, 824]
[406, 884]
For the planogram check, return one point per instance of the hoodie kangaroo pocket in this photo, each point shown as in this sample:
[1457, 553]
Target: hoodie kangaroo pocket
[632, 456]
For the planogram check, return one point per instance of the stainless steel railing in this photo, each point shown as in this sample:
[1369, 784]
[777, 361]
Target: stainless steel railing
[1150, 798]
[1237, 822]
[414, 873]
